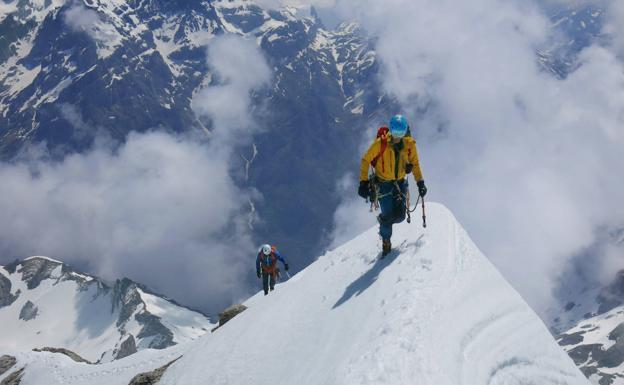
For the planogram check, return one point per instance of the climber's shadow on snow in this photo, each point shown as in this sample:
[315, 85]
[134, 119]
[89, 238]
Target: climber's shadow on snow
[358, 286]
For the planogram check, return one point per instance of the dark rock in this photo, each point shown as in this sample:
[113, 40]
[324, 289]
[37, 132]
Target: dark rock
[6, 298]
[151, 378]
[127, 348]
[6, 363]
[35, 270]
[606, 379]
[571, 339]
[29, 311]
[230, 313]
[617, 334]
[569, 306]
[612, 357]
[14, 378]
[589, 370]
[580, 354]
[126, 298]
[68, 353]
[12, 267]
[152, 327]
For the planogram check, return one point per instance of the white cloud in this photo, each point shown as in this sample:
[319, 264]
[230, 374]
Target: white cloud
[159, 209]
[240, 68]
[528, 163]
[73, 116]
[81, 19]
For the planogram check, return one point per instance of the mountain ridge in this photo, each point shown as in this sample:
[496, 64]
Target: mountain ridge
[105, 323]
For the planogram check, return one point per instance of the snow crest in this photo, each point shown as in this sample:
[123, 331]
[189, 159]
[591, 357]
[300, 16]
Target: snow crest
[435, 311]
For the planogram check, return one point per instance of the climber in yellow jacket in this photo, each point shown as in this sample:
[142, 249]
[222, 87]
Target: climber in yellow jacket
[393, 155]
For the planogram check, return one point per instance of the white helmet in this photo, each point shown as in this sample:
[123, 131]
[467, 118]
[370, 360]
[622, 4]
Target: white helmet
[266, 249]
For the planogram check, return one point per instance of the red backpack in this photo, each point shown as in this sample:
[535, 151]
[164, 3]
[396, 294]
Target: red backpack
[382, 133]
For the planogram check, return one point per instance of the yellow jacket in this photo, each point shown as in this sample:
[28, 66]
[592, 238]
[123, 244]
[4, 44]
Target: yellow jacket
[386, 166]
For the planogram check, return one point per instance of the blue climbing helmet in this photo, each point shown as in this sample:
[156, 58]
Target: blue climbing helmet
[398, 126]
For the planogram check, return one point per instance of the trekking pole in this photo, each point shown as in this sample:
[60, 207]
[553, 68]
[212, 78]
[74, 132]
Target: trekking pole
[288, 275]
[423, 211]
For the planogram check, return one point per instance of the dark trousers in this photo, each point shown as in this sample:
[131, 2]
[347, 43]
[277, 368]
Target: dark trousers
[268, 281]
[392, 204]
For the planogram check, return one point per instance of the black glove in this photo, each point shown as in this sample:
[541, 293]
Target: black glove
[408, 168]
[364, 190]
[422, 189]
[286, 266]
[259, 273]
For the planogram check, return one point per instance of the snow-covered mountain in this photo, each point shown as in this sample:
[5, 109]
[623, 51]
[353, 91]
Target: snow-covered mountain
[593, 335]
[46, 304]
[589, 320]
[71, 70]
[597, 346]
[575, 26]
[434, 311]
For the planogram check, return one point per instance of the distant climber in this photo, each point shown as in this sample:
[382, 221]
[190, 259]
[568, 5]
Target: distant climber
[266, 266]
[393, 155]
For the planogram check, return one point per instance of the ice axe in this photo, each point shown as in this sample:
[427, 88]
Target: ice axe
[422, 202]
[423, 210]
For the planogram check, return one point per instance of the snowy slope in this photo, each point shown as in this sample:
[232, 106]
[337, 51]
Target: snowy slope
[435, 311]
[44, 303]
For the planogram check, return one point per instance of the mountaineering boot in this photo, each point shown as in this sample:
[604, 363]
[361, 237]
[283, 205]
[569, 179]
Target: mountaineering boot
[386, 247]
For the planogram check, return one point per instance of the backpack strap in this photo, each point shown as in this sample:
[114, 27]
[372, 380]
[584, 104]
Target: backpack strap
[382, 133]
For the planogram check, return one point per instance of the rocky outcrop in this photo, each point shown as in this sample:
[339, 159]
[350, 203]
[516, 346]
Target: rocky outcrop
[126, 298]
[127, 348]
[68, 353]
[152, 327]
[151, 378]
[230, 313]
[6, 298]
[34, 270]
[14, 378]
[29, 311]
[6, 363]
